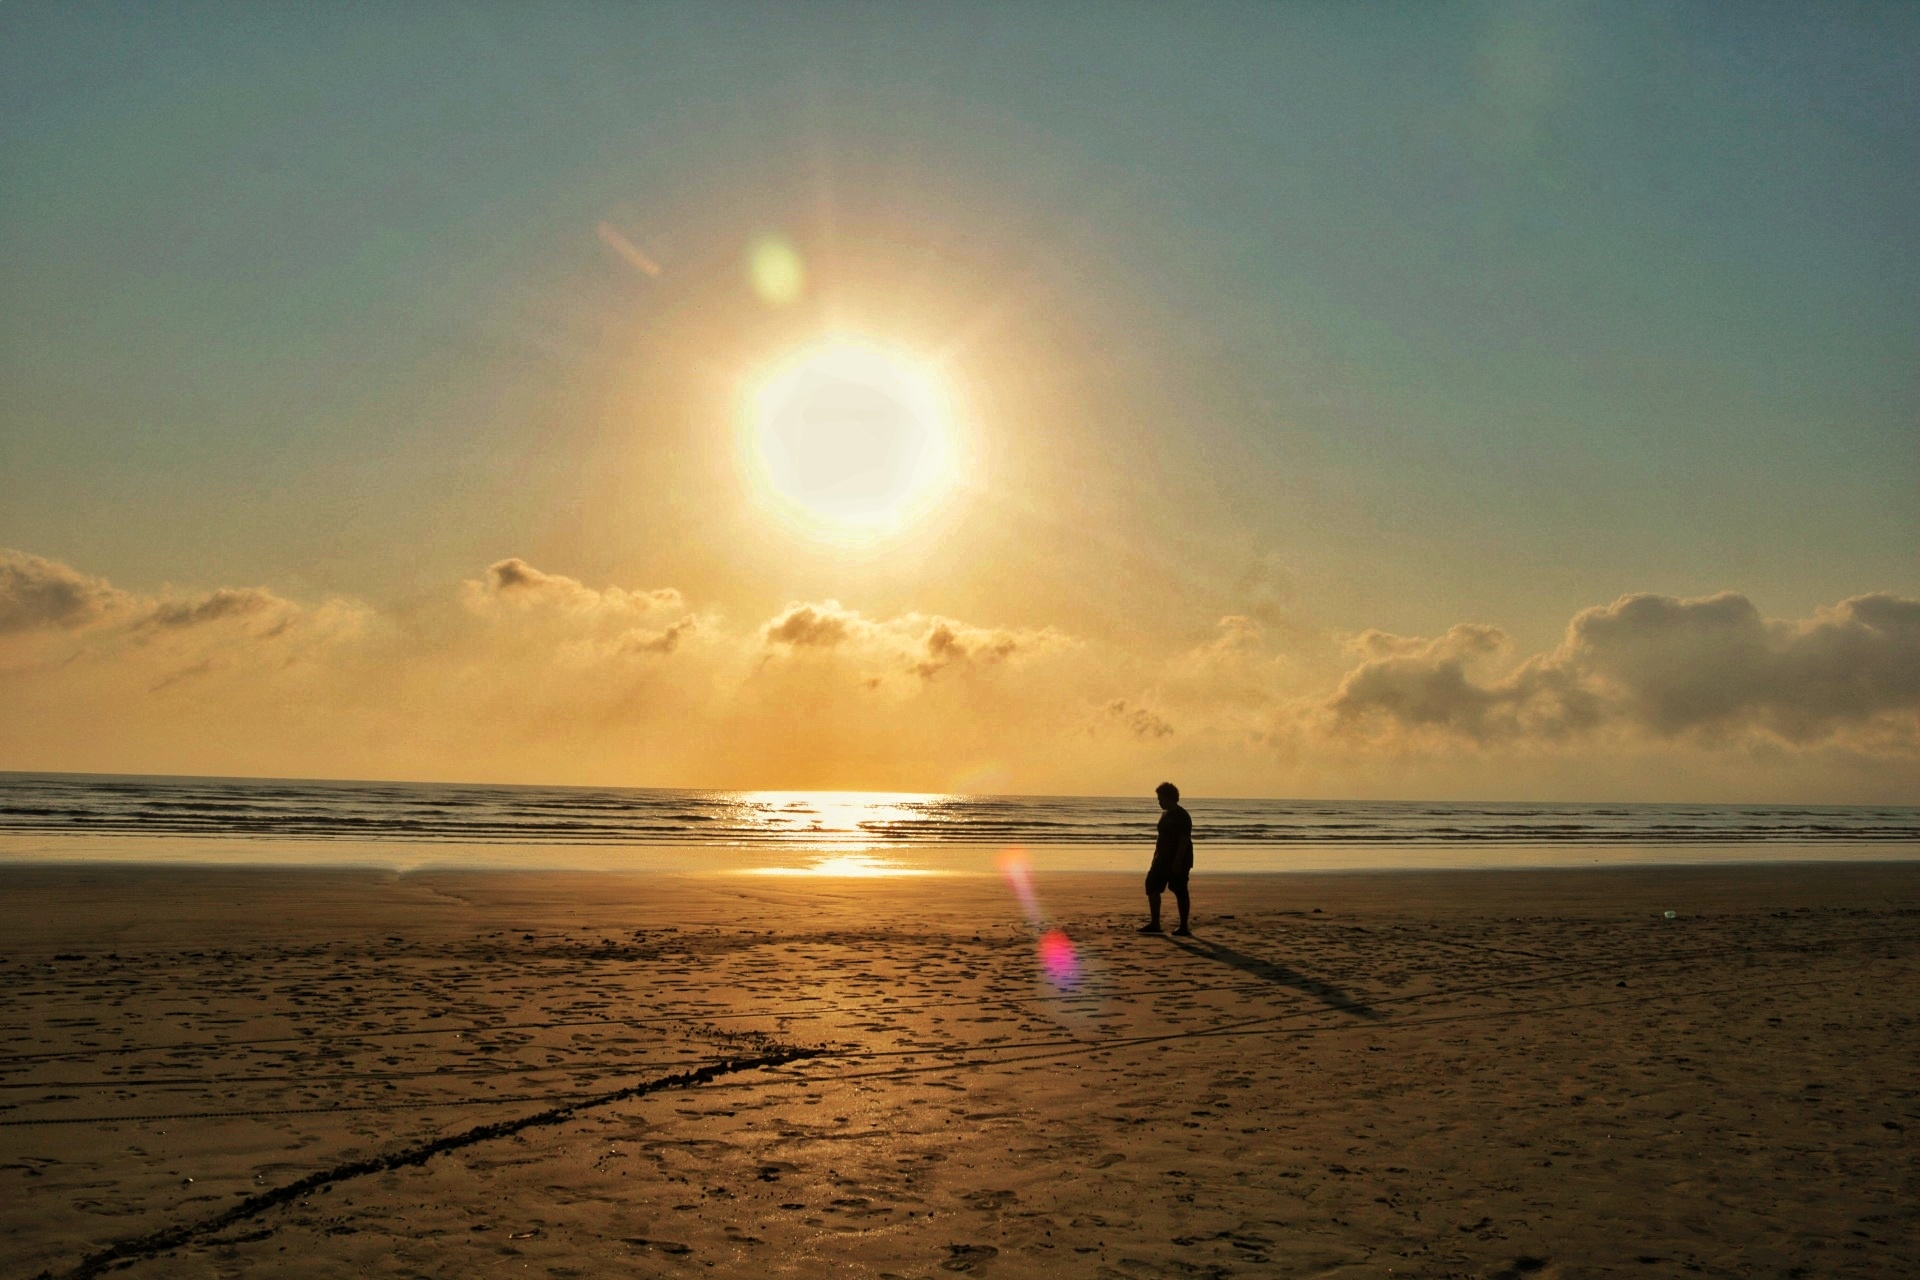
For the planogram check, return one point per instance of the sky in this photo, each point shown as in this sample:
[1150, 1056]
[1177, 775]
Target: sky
[1439, 401]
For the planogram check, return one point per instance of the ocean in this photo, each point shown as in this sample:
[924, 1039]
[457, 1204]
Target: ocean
[93, 817]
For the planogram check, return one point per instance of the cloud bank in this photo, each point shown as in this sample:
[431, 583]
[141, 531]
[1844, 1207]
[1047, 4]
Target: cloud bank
[1711, 670]
[521, 673]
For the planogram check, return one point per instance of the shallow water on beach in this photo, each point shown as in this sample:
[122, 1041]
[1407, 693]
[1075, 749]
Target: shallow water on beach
[85, 817]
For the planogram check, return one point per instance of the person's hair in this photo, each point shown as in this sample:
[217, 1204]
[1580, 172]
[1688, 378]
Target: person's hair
[1168, 790]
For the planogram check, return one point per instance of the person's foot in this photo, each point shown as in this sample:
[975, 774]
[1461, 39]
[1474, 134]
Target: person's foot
[1183, 932]
[1149, 928]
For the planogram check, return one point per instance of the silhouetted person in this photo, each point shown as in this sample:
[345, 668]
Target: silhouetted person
[1172, 859]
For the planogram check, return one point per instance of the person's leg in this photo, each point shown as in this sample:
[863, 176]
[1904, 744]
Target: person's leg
[1180, 896]
[1154, 885]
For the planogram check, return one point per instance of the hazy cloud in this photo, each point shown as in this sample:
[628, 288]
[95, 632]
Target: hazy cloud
[1238, 632]
[555, 622]
[184, 674]
[1139, 721]
[227, 602]
[1267, 589]
[41, 594]
[1230, 682]
[36, 592]
[514, 581]
[948, 642]
[1461, 642]
[918, 644]
[660, 641]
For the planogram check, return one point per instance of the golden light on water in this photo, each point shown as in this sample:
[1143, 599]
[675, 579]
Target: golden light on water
[850, 441]
[860, 819]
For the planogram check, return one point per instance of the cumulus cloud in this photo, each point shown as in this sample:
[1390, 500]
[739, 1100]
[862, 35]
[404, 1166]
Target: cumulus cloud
[1425, 682]
[811, 625]
[1655, 665]
[922, 645]
[948, 643]
[1681, 665]
[39, 593]
[515, 574]
[521, 673]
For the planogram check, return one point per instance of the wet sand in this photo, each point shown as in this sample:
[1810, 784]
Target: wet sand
[232, 1072]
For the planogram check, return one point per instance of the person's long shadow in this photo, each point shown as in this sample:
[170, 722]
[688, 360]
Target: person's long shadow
[1278, 974]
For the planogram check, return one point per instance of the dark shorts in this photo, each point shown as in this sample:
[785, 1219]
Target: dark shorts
[1162, 876]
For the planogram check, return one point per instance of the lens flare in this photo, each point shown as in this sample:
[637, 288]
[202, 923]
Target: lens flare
[610, 236]
[1059, 961]
[776, 270]
[1013, 869]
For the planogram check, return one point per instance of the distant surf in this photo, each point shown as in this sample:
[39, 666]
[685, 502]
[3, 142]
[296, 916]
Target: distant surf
[39, 812]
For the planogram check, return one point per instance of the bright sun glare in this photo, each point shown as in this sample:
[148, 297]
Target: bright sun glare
[851, 439]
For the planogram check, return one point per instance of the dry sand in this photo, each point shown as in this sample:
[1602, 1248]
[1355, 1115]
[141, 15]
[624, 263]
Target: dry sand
[1475, 1074]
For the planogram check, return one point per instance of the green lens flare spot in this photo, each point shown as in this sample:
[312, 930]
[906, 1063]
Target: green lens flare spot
[776, 271]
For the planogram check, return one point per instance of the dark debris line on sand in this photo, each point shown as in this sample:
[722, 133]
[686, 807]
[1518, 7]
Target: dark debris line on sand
[158, 1242]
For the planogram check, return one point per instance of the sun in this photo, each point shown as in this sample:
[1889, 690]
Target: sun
[850, 440]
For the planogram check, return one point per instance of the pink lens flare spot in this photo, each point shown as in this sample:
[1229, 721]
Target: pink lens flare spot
[1013, 866]
[1058, 960]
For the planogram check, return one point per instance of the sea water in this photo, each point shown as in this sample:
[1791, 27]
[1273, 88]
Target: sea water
[96, 817]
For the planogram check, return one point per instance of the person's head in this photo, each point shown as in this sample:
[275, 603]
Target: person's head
[1168, 793]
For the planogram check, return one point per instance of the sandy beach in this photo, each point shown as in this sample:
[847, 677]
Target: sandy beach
[334, 1073]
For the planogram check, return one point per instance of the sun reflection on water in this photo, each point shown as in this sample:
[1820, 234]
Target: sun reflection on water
[839, 833]
[840, 820]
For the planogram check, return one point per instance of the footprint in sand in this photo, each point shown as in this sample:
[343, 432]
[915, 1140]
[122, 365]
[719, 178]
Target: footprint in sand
[661, 1246]
[988, 1201]
[966, 1257]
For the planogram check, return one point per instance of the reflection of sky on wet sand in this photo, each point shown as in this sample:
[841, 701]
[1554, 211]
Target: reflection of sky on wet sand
[846, 864]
